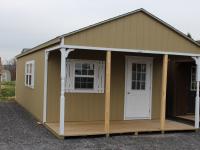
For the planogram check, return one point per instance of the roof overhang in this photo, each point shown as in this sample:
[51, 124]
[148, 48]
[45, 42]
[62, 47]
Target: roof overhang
[122, 50]
[41, 46]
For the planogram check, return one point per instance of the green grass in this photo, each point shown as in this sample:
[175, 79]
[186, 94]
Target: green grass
[7, 91]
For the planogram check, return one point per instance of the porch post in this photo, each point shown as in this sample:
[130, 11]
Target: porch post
[62, 93]
[197, 107]
[45, 86]
[163, 92]
[197, 61]
[107, 93]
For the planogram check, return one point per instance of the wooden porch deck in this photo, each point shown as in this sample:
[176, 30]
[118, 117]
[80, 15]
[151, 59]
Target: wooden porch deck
[133, 126]
[187, 117]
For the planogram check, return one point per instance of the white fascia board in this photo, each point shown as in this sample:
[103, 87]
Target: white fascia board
[130, 50]
[53, 48]
[122, 50]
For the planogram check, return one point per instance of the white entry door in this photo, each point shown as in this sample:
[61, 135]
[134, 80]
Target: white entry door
[138, 88]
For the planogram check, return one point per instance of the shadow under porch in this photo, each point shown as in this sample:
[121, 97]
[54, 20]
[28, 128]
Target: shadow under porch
[181, 87]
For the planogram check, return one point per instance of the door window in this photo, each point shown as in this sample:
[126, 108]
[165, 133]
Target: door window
[138, 76]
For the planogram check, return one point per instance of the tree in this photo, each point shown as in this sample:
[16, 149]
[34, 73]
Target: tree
[189, 35]
[11, 66]
[1, 68]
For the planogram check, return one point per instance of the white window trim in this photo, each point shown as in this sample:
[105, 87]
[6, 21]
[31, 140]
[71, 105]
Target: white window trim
[97, 63]
[191, 81]
[32, 74]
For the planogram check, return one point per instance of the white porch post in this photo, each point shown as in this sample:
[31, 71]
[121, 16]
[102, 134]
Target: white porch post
[62, 93]
[197, 107]
[64, 55]
[197, 60]
[45, 86]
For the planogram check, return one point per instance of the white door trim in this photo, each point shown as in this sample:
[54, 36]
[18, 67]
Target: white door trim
[150, 59]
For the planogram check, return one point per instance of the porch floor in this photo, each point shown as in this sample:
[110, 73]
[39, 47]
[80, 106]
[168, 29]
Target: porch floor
[187, 117]
[97, 127]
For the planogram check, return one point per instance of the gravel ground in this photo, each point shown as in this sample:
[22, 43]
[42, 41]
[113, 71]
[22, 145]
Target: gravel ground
[19, 131]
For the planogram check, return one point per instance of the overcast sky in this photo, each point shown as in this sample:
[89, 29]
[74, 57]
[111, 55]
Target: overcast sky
[27, 23]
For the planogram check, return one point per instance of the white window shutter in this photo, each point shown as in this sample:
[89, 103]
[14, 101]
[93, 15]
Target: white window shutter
[69, 76]
[25, 72]
[33, 74]
[101, 76]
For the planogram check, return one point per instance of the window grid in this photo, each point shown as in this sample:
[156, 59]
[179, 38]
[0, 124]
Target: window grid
[29, 74]
[138, 76]
[84, 76]
[193, 85]
[97, 75]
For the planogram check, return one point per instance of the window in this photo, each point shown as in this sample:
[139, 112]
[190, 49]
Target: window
[85, 76]
[138, 76]
[193, 79]
[29, 73]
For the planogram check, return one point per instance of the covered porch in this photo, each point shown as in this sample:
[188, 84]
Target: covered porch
[71, 123]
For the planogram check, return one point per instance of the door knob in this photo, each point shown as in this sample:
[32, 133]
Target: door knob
[128, 93]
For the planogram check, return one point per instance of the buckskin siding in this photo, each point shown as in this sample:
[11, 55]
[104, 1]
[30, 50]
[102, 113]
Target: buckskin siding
[31, 99]
[90, 107]
[136, 31]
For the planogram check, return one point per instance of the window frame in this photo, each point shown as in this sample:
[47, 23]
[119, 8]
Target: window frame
[96, 76]
[29, 74]
[191, 79]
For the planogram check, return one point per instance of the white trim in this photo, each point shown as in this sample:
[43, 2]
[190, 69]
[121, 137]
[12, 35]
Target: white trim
[98, 83]
[130, 50]
[150, 59]
[32, 74]
[45, 86]
[197, 107]
[45, 80]
[125, 88]
[191, 81]
[197, 61]
[124, 50]
[62, 41]
[62, 93]
[53, 48]
[68, 51]
[64, 55]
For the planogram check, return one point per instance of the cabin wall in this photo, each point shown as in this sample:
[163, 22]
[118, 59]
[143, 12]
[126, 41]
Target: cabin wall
[31, 99]
[90, 106]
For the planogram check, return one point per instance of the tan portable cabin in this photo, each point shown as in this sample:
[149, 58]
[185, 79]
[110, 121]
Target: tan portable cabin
[107, 78]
